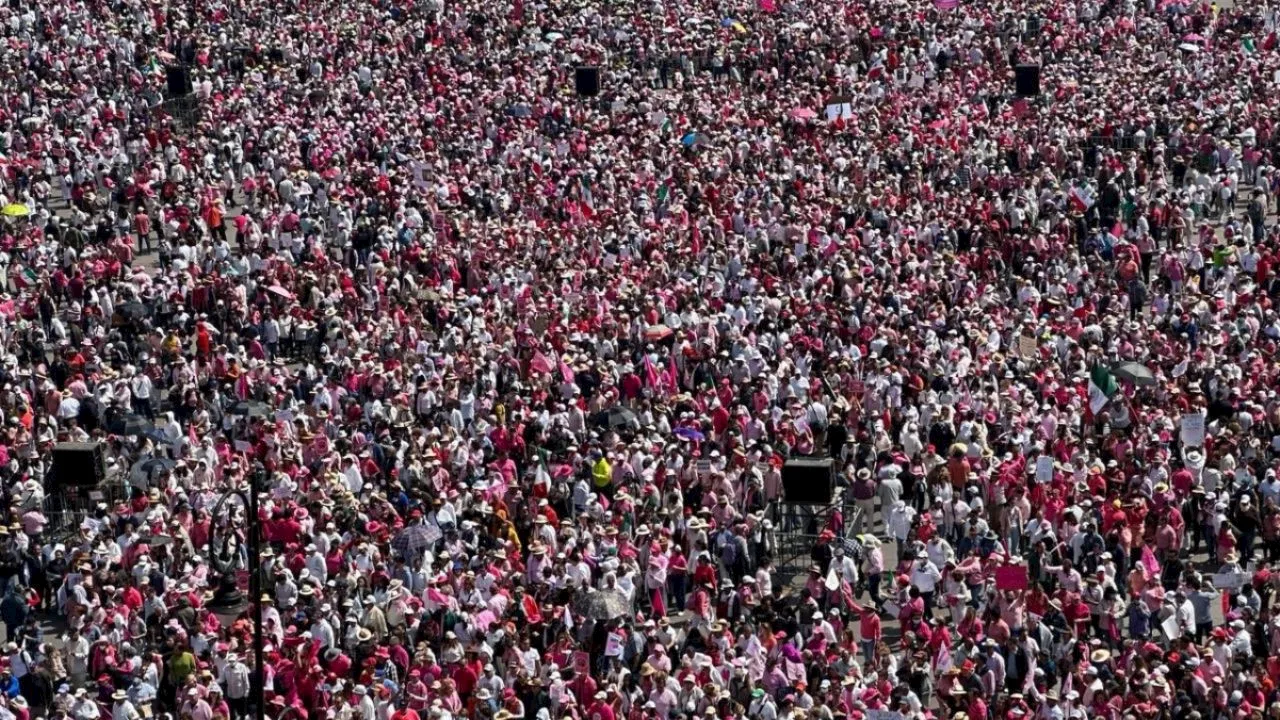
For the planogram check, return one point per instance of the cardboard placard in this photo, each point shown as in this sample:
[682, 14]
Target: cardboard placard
[1012, 577]
[1169, 626]
[1027, 346]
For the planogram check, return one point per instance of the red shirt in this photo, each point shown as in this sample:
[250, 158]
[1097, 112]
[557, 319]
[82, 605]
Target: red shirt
[132, 598]
[465, 679]
[869, 626]
[600, 710]
[705, 573]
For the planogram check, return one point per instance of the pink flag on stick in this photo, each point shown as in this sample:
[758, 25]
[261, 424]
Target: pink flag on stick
[946, 4]
[540, 363]
[650, 373]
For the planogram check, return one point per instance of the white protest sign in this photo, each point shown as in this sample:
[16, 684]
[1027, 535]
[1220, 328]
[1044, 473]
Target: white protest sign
[1193, 429]
[1230, 581]
[1044, 469]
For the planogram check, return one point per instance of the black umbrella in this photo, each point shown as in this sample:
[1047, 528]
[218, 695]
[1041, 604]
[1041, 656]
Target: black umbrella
[131, 425]
[618, 417]
[133, 311]
[145, 469]
[412, 540]
[251, 407]
[602, 605]
[1135, 373]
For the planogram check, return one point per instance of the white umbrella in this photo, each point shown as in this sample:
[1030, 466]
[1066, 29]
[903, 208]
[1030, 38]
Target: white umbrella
[1189, 47]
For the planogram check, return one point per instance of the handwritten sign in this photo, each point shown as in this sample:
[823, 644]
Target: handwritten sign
[1011, 577]
[1193, 429]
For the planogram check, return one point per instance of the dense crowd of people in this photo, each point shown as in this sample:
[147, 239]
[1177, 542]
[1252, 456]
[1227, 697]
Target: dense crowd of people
[510, 372]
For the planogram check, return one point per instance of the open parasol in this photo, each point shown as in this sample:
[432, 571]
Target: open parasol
[1134, 373]
[250, 407]
[602, 605]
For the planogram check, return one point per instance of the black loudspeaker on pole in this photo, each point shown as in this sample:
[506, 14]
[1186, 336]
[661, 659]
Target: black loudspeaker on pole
[1026, 80]
[586, 80]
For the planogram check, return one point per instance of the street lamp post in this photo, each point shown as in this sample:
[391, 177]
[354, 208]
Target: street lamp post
[228, 603]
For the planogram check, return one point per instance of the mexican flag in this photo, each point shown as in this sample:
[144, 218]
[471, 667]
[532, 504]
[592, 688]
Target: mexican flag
[1102, 387]
[1080, 198]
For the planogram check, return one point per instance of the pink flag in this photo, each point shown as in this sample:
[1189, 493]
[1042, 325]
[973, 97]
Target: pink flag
[768, 6]
[435, 600]
[673, 376]
[946, 4]
[566, 372]
[650, 373]
[540, 363]
[1149, 562]
[942, 662]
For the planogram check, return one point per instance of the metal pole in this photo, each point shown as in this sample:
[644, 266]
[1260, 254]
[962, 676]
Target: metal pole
[255, 592]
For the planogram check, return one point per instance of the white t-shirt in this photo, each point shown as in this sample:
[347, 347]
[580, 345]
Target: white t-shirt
[925, 576]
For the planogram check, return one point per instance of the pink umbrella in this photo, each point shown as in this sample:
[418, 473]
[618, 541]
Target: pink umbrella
[277, 290]
[1194, 38]
[802, 113]
[657, 332]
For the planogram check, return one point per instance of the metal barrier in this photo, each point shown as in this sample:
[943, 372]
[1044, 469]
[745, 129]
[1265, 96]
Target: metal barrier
[66, 508]
[184, 110]
[797, 526]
